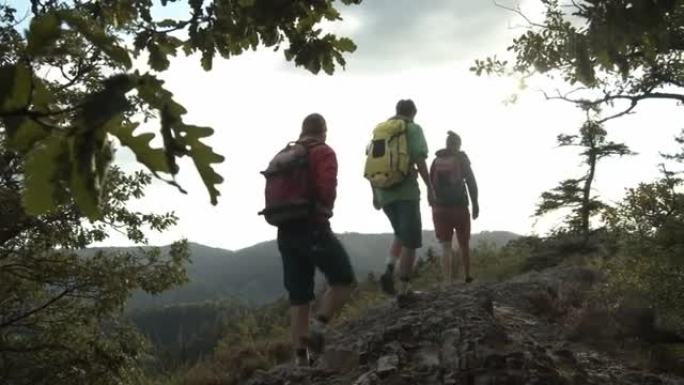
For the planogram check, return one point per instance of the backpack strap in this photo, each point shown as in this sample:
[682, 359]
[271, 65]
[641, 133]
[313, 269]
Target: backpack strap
[401, 117]
[308, 146]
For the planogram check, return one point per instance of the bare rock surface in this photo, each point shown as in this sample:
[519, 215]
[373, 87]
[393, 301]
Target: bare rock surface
[504, 334]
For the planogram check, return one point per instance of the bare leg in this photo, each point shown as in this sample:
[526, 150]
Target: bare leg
[447, 263]
[463, 237]
[457, 260]
[333, 300]
[299, 324]
[465, 257]
[387, 278]
[395, 251]
[406, 263]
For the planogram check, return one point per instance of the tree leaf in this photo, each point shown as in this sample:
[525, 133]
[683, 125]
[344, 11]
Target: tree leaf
[167, 23]
[43, 31]
[207, 59]
[98, 37]
[345, 45]
[153, 158]
[42, 97]
[82, 181]
[98, 108]
[328, 65]
[204, 157]
[90, 154]
[26, 134]
[158, 60]
[119, 55]
[42, 164]
[15, 87]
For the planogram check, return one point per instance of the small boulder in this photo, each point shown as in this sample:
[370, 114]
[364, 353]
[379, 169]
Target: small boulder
[388, 364]
[340, 360]
[427, 358]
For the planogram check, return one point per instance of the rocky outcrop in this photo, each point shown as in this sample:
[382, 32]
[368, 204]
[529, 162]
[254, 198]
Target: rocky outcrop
[507, 334]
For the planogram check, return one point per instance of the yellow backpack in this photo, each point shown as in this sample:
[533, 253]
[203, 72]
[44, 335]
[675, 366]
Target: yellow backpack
[387, 155]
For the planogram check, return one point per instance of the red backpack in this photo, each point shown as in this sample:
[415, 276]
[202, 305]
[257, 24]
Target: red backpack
[448, 180]
[289, 189]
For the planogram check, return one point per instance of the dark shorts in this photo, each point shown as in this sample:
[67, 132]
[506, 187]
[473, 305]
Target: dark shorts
[305, 248]
[405, 219]
[448, 220]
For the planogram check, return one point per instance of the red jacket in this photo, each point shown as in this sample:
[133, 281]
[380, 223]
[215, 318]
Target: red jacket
[323, 168]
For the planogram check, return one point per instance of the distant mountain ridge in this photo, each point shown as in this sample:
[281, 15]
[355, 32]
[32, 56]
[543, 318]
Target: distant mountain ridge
[254, 274]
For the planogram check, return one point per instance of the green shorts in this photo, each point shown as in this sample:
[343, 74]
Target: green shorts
[406, 223]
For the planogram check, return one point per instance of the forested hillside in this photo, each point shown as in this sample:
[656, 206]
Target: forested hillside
[254, 274]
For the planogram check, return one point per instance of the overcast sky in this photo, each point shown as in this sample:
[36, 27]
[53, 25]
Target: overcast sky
[406, 49]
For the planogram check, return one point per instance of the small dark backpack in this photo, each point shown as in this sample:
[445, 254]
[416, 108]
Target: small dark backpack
[448, 180]
[289, 189]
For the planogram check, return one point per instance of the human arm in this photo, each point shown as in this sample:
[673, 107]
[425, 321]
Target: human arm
[419, 152]
[425, 176]
[376, 202]
[471, 183]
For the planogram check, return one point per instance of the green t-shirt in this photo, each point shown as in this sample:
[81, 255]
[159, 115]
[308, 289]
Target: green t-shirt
[408, 189]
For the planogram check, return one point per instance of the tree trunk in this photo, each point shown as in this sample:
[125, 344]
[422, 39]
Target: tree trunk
[586, 194]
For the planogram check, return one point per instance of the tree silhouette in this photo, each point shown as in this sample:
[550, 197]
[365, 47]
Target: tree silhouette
[576, 193]
[609, 51]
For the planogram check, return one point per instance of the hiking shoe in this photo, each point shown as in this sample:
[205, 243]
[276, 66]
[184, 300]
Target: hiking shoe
[302, 360]
[406, 299]
[316, 338]
[387, 283]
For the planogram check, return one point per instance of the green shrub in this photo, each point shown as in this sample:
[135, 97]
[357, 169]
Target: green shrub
[649, 227]
[487, 263]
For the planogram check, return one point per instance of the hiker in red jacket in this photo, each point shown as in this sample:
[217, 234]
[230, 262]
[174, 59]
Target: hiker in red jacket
[308, 243]
[450, 174]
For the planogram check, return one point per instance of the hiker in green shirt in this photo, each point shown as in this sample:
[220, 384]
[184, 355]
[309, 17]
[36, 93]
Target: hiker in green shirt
[401, 204]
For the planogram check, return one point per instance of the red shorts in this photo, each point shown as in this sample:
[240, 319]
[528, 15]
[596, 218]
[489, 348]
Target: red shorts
[450, 219]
